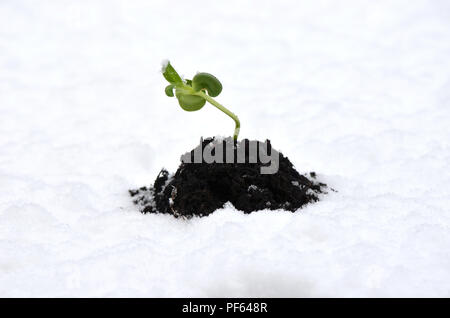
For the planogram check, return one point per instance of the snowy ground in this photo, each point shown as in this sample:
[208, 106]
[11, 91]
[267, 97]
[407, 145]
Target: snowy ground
[358, 91]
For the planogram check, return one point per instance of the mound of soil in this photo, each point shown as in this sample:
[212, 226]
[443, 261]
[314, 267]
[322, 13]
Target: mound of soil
[201, 188]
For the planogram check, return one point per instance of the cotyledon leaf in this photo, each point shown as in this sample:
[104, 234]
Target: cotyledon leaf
[207, 81]
[190, 103]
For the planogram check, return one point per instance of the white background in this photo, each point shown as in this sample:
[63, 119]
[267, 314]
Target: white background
[358, 91]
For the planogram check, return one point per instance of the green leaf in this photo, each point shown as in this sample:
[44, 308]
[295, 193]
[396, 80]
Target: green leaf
[190, 103]
[207, 81]
[170, 74]
[169, 90]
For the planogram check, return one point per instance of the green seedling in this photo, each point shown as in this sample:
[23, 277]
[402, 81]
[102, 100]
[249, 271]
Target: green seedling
[193, 94]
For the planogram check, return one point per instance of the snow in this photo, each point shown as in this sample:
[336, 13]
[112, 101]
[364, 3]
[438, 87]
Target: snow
[358, 92]
[164, 65]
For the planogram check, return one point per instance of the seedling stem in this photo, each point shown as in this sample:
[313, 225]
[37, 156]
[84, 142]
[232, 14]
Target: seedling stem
[225, 110]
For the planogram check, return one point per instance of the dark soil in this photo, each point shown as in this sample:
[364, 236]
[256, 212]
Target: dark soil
[201, 188]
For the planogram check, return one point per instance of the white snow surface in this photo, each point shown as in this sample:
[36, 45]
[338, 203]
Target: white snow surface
[358, 91]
